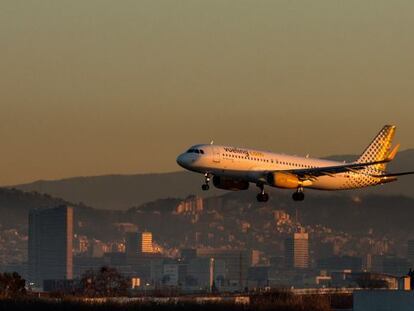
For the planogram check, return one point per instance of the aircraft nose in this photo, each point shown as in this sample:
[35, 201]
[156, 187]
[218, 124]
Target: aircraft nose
[181, 160]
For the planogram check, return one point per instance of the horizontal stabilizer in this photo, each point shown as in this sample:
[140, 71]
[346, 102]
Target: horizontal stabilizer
[393, 153]
[395, 174]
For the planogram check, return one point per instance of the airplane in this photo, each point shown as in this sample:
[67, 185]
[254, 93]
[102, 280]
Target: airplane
[233, 168]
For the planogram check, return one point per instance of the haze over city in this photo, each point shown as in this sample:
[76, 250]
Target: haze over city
[102, 87]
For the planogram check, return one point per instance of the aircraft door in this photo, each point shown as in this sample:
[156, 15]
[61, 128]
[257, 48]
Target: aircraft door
[216, 154]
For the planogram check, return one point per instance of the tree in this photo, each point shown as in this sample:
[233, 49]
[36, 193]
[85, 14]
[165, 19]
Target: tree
[12, 285]
[106, 282]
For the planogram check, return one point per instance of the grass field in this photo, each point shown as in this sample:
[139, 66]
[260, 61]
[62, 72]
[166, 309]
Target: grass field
[282, 301]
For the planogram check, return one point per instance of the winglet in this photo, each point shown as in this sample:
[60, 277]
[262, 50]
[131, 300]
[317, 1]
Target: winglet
[393, 153]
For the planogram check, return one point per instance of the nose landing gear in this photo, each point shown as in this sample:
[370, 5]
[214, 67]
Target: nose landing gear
[298, 195]
[206, 185]
[262, 196]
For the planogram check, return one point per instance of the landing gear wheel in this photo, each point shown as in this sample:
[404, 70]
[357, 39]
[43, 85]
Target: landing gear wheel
[298, 196]
[206, 186]
[262, 197]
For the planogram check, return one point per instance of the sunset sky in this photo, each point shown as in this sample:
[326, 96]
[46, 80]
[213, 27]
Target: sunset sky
[105, 87]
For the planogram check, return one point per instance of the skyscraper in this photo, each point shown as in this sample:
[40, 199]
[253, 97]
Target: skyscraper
[138, 243]
[50, 244]
[146, 242]
[410, 252]
[297, 251]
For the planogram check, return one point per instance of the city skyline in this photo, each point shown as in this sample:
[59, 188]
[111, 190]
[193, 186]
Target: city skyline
[96, 88]
[252, 244]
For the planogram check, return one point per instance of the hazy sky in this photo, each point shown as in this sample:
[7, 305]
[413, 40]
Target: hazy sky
[98, 87]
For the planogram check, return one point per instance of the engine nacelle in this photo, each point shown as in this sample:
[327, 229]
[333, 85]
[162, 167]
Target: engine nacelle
[229, 183]
[283, 180]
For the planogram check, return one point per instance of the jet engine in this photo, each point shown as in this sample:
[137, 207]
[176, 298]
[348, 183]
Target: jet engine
[226, 183]
[283, 180]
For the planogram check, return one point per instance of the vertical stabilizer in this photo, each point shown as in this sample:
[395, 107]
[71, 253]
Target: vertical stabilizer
[379, 148]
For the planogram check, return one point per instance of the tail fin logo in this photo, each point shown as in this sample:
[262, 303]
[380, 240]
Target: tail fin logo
[379, 148]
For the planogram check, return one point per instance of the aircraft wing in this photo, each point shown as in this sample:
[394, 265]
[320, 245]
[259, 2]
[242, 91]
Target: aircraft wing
[312, 173]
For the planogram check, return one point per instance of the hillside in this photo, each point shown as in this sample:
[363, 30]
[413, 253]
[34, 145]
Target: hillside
[223, 216]
[15, 206]
[120, 192]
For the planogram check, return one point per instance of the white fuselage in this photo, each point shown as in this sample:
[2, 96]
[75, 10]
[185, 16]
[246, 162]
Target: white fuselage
[249, 165]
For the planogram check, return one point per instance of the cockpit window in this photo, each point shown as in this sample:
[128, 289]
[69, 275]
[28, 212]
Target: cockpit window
[195, 151]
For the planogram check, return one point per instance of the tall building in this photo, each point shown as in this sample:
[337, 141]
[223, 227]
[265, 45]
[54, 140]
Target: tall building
[297, 251]
[410, 252]
[146, 242]
[138, 243]
[50, 244]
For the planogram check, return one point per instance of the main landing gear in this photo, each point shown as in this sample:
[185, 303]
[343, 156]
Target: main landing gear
[298, 195]
[206, 185]
[262, 196]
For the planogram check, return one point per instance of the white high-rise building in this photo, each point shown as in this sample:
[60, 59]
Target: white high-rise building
[297, 251]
